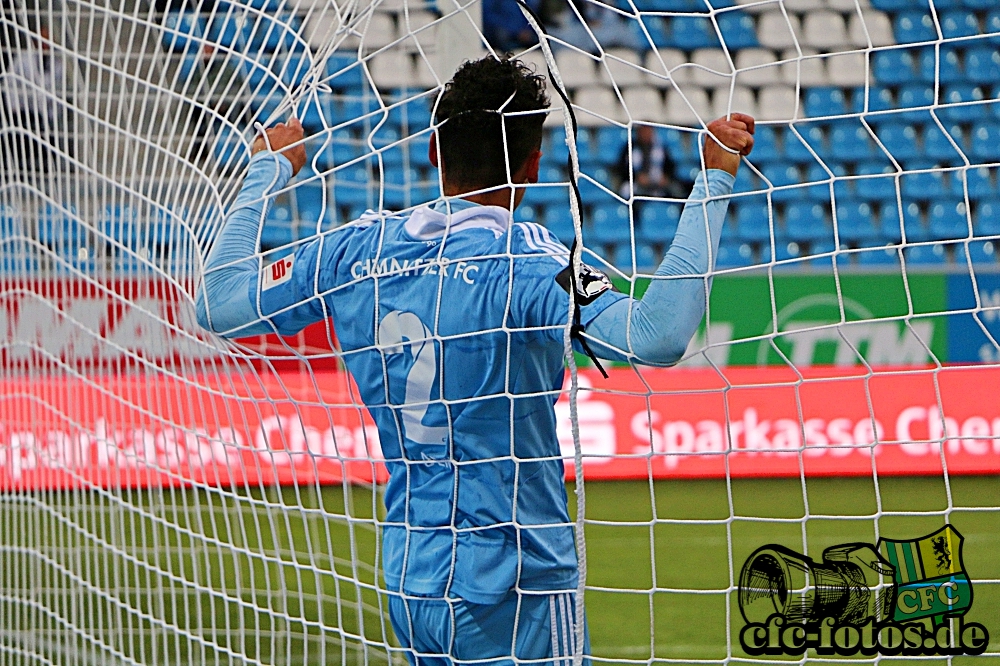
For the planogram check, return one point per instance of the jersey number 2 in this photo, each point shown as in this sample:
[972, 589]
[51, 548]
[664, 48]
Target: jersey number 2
[402, 329]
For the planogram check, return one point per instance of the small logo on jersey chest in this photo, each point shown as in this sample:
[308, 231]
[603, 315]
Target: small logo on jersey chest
[277, 273]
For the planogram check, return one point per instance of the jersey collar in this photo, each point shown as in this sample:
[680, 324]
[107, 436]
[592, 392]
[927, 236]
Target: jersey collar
[429, 222]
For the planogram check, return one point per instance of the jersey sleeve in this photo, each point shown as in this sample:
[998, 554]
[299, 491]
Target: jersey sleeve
[240, 295]
[541, 283]
[657, 329]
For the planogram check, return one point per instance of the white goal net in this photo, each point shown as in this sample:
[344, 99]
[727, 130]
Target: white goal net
[169, 497]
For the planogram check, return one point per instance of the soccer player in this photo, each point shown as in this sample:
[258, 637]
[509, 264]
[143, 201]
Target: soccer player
[451, 319]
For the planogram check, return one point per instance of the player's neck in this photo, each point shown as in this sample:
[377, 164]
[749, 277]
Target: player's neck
[502, 197]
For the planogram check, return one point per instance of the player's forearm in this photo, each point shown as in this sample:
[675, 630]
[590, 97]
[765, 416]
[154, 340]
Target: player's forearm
[227, 301]
[656, 330]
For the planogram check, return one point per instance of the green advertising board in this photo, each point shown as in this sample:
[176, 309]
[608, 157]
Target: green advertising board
[884, 320]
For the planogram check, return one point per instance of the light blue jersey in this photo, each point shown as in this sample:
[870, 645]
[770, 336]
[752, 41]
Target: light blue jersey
[451, 321]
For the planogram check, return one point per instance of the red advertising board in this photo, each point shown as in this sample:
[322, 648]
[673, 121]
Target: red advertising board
[301, 428]
[92, 324]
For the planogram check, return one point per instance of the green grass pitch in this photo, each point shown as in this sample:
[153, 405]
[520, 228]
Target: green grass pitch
[170, 576]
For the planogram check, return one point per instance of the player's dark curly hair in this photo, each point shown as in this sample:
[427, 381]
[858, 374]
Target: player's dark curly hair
[470, 133]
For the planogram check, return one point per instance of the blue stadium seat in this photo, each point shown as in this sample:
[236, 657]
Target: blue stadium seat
[313, 111]
[899, 139]
[938, 147]
[117, 223]
[559, 220]
[916, 95]
[806, 221]
[189, 68]
[589, 190]
[922, 185]
[948, 220]
[308, 196]
[610, 224]
[980, 253]
[876, 257]
[889, 226]
[693, 32]
[658, 28]
[386, 135]
[852, 142]
[226, 27]
[357, 108]
[127, 226]
[183, 30]
[824, 263]
[262, 76]
[277, 230]
[957, 94]
[353, 196]
[752, 223]
[554, 150]
[827, 101]
[611, 141]
[229, 149]
[271, 32]
[880, 187]
[982, 65]
[733, 254]
[946, 70]
[410, 114]
[790, 254]
[925, 255]
[781, 174]
[843, 188]
[646, 259]
[796, 150]
[892, 5]
[893, 67]
[979, 4]
[986, 220]
[658, 221]
[587, 152]
[913, 223]
[345, 73]
[418, 147]
[682, 145]
[547, 195]
[986, 142]
[958, 23]
[339, 148]
[856, 222]
[992, 26]
[945, 5]
[879, 98]
[980, 183]
[765, 144]
[551, 174]
[914, 26]
[667, 6]
[311, 222]
[738, 31]
[746, 181]
[528, 213]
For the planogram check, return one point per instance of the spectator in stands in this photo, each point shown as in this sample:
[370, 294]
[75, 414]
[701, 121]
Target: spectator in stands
[505, 27]
[8, 31]
[609, 28]
[32, 91]
[650, 168]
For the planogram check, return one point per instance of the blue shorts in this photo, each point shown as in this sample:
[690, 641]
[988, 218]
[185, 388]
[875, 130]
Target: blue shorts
[446, 632]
